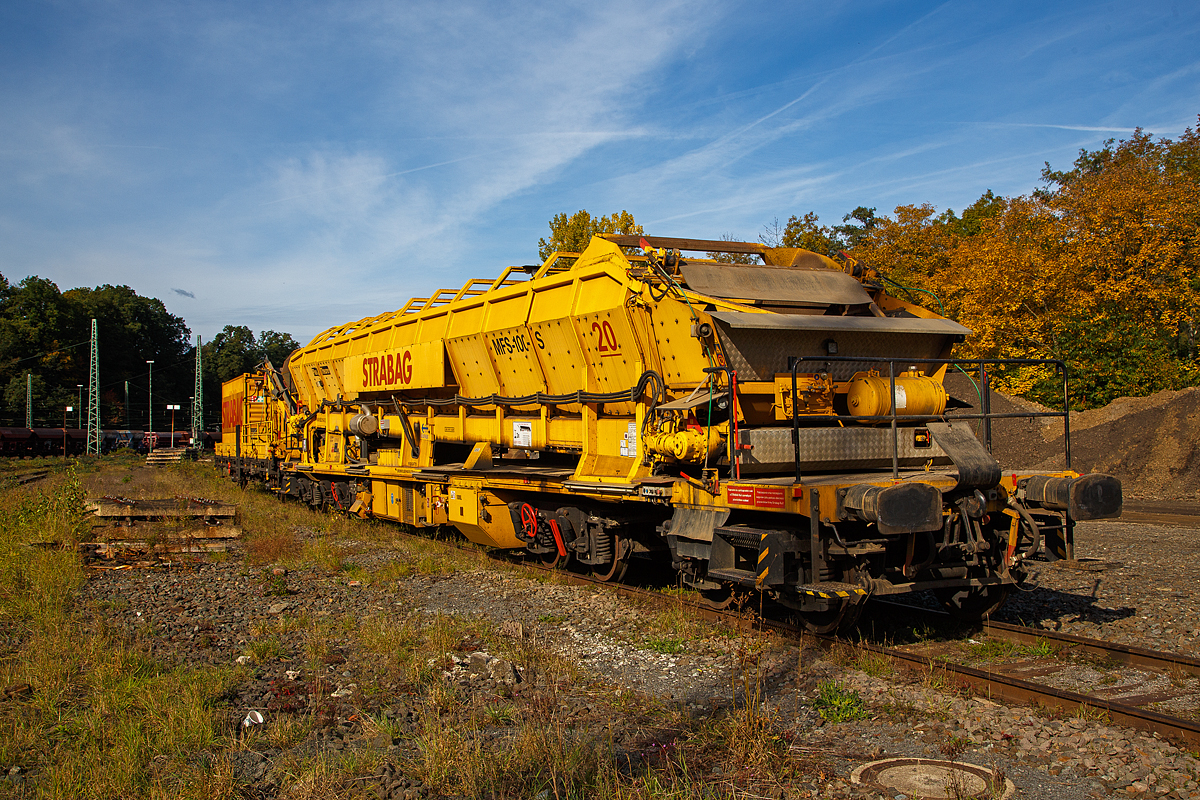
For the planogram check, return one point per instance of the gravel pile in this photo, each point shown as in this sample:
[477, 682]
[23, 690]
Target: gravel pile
[1151, 443]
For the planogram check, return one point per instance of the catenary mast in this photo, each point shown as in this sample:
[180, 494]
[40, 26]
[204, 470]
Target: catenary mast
[197, 401]
[93, 440]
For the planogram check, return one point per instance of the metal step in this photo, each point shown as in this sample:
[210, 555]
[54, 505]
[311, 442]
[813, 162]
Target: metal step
[743, 577]
[831, 590]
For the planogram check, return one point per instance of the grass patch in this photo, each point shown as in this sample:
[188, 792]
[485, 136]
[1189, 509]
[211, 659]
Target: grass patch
[989, 649]
[665, 645]
[103, 719]
[877, 665]
[100, 718]
[836, 703]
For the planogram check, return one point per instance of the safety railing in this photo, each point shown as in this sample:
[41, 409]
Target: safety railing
[982, 365]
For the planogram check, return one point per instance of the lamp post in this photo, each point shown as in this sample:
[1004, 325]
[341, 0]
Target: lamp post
[79, 412]
[68, 408]
[172, 409]
[150, 407]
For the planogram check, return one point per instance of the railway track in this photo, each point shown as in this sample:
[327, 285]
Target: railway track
[1157, 677]
[1024, 682]
[1184, 515]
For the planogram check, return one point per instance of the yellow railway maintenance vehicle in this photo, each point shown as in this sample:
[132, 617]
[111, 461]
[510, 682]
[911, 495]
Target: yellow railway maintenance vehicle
[779, 427]
[254, 411]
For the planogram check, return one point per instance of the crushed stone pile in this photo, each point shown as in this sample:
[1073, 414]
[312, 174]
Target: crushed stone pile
[1151, 443]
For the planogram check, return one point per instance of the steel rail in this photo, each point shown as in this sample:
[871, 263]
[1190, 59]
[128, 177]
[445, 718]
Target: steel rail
[1112, 651]
[992, 685]
[995, 686]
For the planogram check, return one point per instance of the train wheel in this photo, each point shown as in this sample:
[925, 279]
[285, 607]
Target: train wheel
[615, 570]
[840, 616]
[553, 560]
[973, 603]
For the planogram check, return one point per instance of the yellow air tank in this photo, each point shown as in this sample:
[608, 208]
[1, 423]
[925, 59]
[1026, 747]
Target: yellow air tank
[916, 395]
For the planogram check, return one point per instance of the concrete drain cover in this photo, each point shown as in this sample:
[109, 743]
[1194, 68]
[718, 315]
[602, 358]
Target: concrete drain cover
[927, 779]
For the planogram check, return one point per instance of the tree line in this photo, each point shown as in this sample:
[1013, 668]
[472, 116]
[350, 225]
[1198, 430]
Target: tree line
[45, 346]
[1099, 267]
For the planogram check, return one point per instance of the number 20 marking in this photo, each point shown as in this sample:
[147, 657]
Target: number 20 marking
[606, 338]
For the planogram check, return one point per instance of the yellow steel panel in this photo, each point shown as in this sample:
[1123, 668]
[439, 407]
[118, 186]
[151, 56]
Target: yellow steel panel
[683, 358]
[611, 352]
[376, 340]
[472, 363]
[432, 325]
[598, 292]
[507, 309]
[418, 366]
[512, 351]
[405, 333]
[462, 505]
[553, 301]
[559, 354]
[465, 321]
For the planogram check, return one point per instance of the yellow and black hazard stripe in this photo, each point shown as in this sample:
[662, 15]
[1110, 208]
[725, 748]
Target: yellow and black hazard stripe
[843, 592]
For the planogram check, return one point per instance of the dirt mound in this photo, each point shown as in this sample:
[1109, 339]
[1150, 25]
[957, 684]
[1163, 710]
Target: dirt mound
[1151, 443]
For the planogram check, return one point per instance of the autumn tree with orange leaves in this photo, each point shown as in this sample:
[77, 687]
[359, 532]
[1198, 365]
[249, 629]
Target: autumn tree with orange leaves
[1100, 268]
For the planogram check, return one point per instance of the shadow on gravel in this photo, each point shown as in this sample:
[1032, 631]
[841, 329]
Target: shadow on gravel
[1049, 608]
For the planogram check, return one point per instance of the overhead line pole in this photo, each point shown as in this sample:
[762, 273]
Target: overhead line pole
[93, 440]
[197, 402]
[150, 408]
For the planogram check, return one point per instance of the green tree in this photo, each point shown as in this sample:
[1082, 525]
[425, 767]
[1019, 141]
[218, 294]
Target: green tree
[850, 235]
[230, 353]
[235, 351]
[808, 234]
[988, 206]
[46, 332]
[572, 234]
[276, 346]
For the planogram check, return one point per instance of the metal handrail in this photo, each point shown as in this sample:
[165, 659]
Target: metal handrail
[986, 414]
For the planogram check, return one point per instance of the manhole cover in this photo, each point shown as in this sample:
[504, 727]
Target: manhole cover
[926, 779]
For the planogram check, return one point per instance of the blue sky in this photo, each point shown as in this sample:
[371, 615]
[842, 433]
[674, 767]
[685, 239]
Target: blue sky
[298, 165]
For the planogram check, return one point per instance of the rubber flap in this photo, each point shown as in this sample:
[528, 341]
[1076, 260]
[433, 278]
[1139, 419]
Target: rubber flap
[976, 467]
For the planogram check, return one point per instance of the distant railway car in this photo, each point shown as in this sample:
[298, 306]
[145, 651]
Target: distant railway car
[779, 427]
[254, 412]
[17, 441]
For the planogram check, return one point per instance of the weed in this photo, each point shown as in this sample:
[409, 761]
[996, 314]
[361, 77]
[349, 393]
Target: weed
[276, 586]
[997, 783]
[750, 733]
[836, 703]
[1091, 713]
[1178, 675]
[876, 665]
[665, 645]
[955, 746]
[1042, 648]
[937, 678]
[992, 650]
[501, 714]
[266, 650]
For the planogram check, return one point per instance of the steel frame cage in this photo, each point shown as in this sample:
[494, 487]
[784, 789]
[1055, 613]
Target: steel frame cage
[981, 364]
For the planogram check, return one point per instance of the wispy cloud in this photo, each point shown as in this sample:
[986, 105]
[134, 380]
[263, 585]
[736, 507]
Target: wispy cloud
[324, 164]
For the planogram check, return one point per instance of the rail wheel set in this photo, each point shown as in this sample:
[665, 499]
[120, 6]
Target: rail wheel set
[779, 428]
